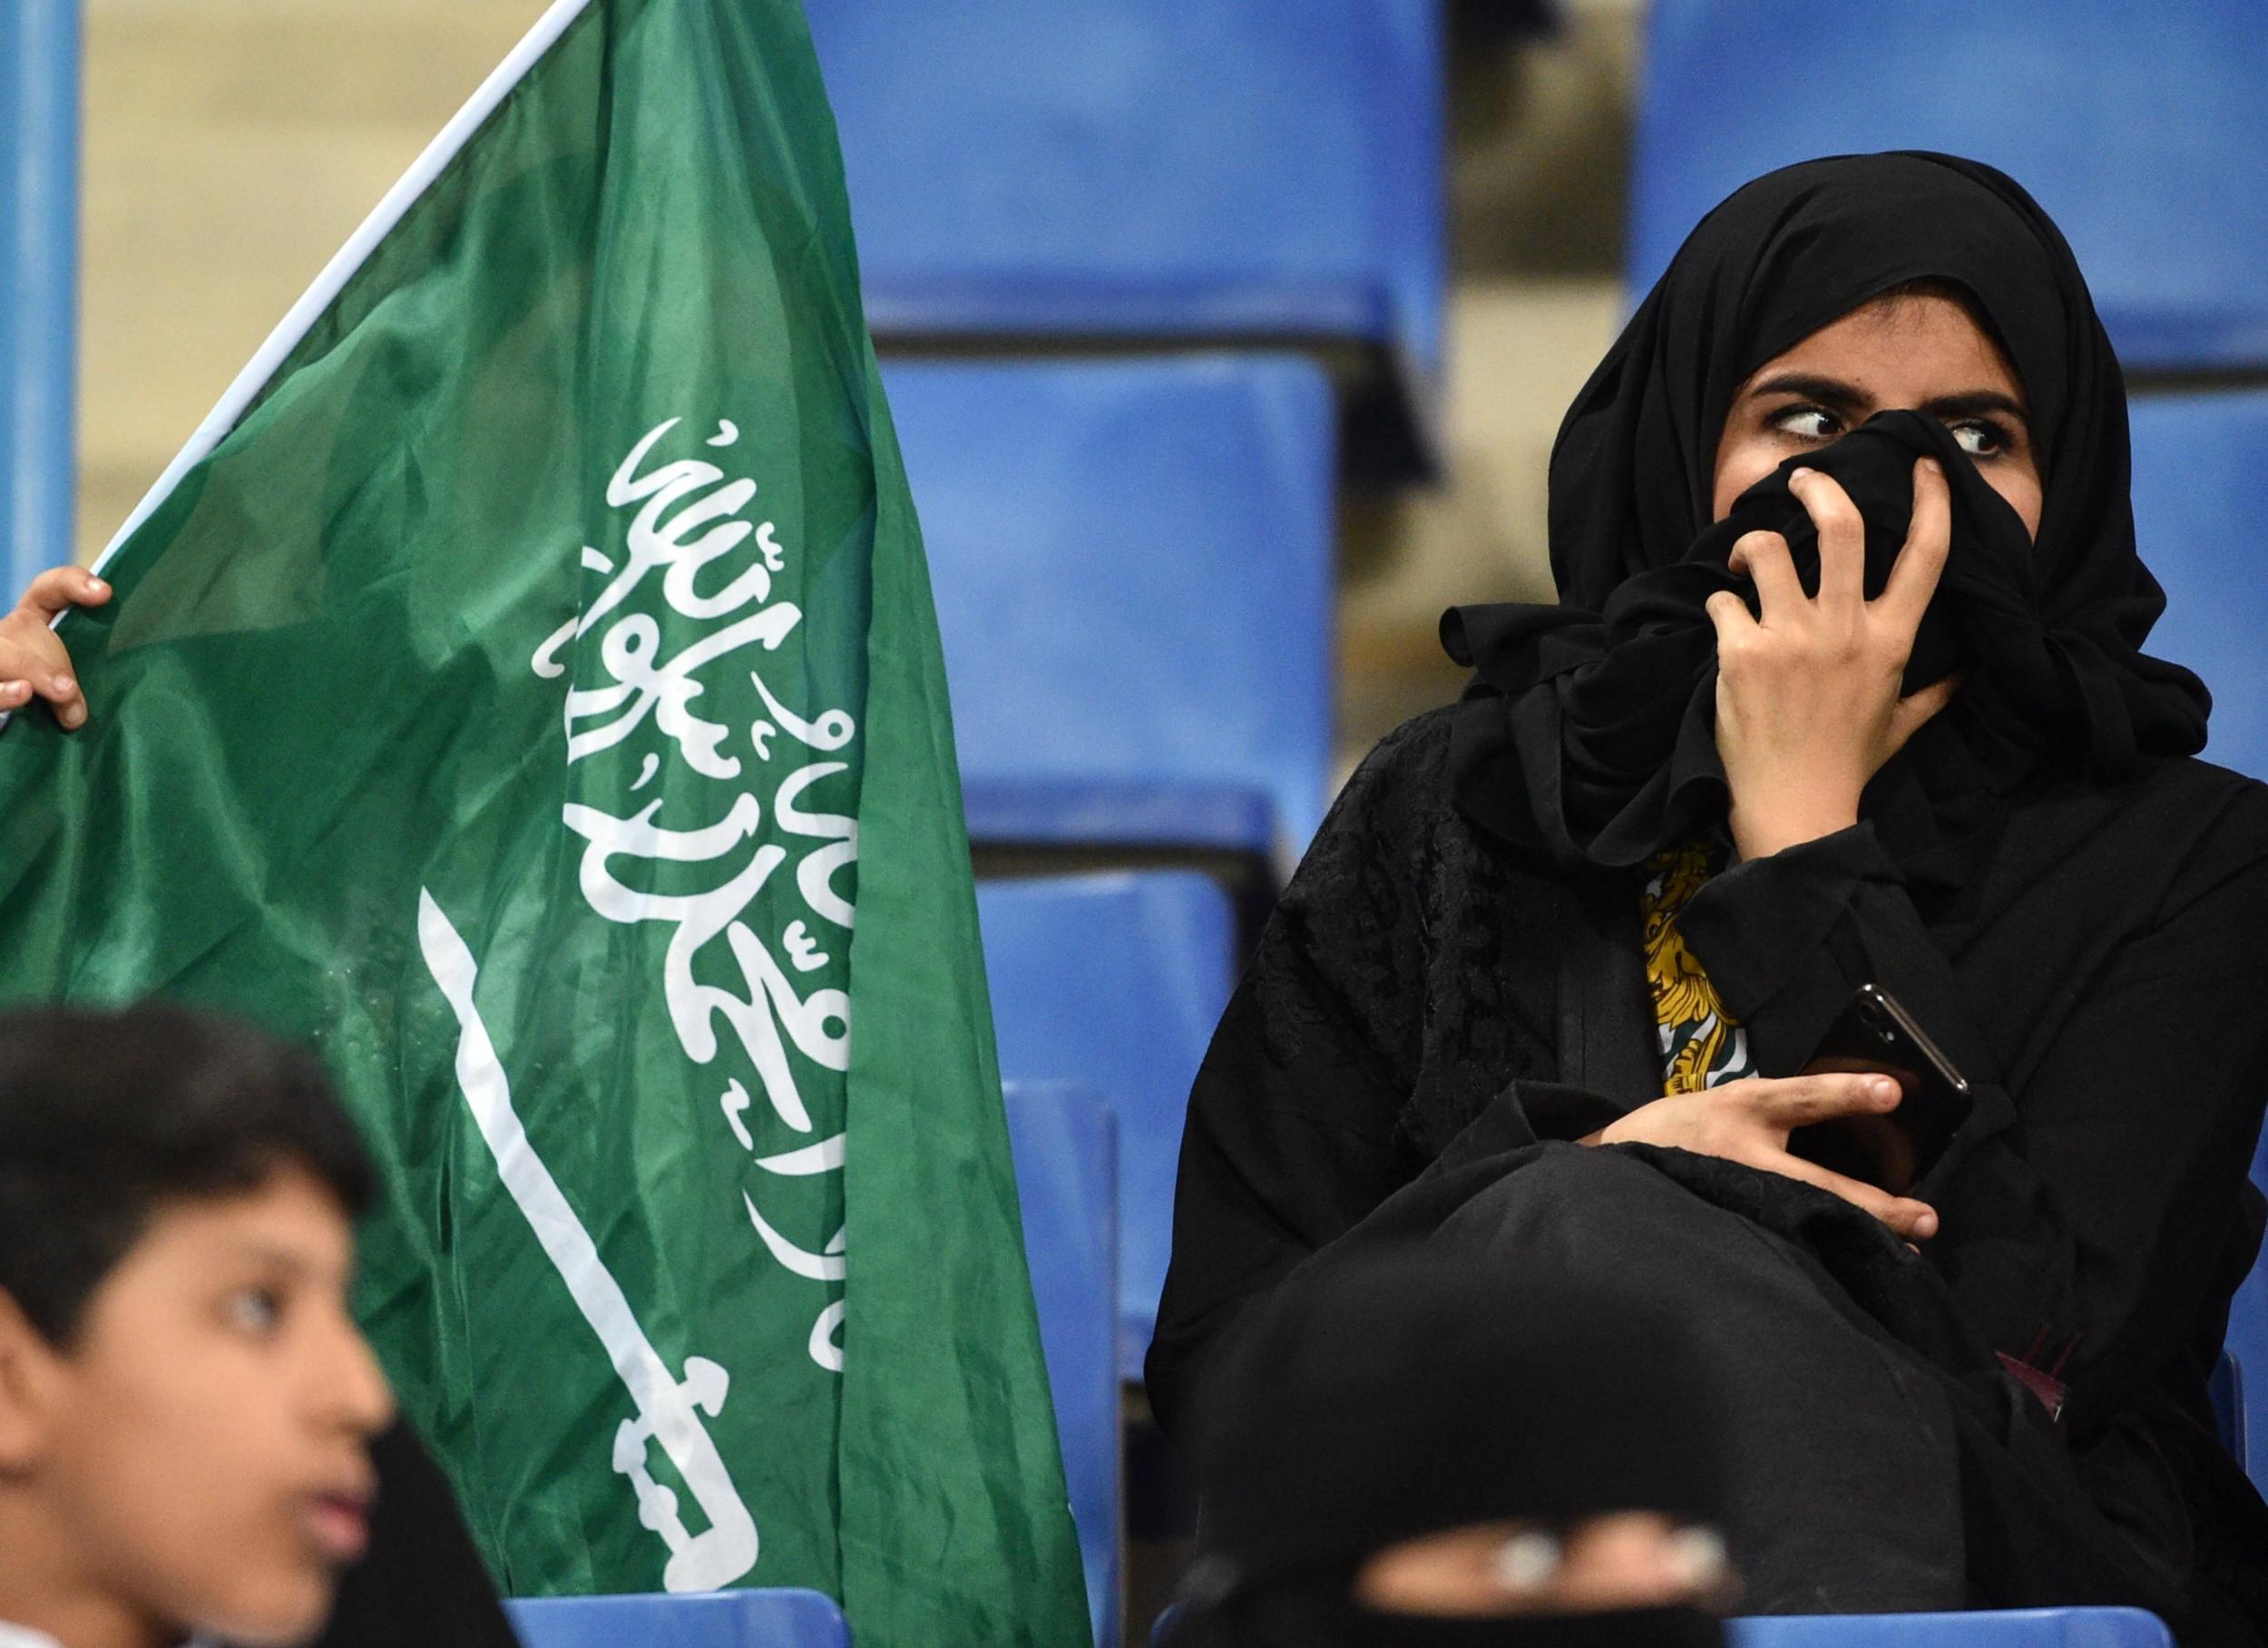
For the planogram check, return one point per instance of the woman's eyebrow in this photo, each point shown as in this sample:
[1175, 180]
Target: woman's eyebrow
[1827, 390]
[1975, 401]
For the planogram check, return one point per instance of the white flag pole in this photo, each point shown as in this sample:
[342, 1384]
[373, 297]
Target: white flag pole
[349, 258]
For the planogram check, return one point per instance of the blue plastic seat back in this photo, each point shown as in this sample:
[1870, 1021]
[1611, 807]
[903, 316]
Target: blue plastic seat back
[1116, 168]
[1065, 1143]
[2245, 1359]
[2200, 517]
[1996, 1628]
[1132, 563]
[717, 1619]
[1983, 1628]
[2235, 1386]
[2171, 227]
[1115, 982]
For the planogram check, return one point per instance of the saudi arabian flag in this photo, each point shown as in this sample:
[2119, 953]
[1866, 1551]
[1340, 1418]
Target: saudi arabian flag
[526, 690]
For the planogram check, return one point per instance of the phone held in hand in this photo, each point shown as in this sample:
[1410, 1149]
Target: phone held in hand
[1875, 1035]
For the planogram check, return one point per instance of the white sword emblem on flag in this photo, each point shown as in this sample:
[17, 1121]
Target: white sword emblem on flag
[670, 1409]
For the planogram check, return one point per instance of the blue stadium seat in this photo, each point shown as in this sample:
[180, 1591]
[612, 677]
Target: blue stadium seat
[1066, 1151]
[2240, 1383]
[1115, 982]
[2245, 1360]
[1164, 171]
[1132, 562]
[719, 1619]
[2139, 130]
[1994, 1628]
[2200, 497]
[2201, 516]
[1983, 1628]
[1998, 1628]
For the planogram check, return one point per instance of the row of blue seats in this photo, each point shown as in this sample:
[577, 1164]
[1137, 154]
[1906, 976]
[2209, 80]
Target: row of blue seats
[805, 1619]
[2138, 129]
[1238, 170]
[1133, 567]
[1163, 172]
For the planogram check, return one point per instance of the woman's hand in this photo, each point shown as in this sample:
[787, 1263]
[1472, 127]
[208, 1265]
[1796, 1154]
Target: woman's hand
[1807, 696]
[1749, 1121]
[33, 662]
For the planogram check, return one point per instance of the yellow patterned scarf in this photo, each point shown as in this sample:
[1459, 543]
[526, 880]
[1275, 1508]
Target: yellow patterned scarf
[1701, 1044]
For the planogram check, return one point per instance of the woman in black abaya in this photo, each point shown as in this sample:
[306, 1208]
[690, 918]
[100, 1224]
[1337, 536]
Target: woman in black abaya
[1847, 687]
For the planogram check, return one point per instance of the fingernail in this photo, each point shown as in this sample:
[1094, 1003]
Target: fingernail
[64, 684]
[1882, 1086]
[1526, 1560]
[1798, 473]
[1700, 1556]
[98, 586]
[1934, 466]
[1926, 1224]
[72, 713]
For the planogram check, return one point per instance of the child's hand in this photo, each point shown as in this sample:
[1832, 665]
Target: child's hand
[33, 661]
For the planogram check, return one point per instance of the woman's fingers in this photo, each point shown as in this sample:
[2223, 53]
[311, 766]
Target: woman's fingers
[1797, 1101]
[1734, 624]
[1842, 536]
[59, 589]
[1915, 1221]
[1921, 561]
[1916, 709]
[35, 662]
[61, 692]
[1763, 557]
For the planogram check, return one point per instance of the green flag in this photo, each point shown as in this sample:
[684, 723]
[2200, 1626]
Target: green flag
[519, 691]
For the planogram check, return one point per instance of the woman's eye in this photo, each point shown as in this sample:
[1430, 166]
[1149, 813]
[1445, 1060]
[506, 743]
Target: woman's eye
[1808, 423]
[255, 1310]
[1979, 440]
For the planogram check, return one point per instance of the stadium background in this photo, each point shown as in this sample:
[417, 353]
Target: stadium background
[230, 146]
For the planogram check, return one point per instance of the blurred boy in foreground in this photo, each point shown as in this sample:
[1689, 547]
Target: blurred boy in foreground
[185, 1403]
[424, 1582]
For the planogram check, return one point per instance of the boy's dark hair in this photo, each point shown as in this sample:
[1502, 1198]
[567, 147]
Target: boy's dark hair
[105, 1117]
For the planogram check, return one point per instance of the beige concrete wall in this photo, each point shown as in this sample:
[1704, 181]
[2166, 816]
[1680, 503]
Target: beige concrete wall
[231, 147]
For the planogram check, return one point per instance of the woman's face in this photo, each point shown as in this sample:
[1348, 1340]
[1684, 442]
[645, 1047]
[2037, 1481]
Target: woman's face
[1903, 354]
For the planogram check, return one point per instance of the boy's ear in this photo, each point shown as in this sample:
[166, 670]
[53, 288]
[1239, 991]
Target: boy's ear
[28, 1368]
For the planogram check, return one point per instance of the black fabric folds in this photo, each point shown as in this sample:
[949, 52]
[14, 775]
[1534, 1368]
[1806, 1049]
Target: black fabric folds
[1586, 733]
[1320, 1618]
[1408, 1391]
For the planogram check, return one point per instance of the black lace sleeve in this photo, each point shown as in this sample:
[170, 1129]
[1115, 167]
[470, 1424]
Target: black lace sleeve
[1292, 1135]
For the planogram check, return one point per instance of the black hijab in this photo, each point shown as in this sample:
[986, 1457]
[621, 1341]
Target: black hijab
[1588, 732]
[1405, 1392]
